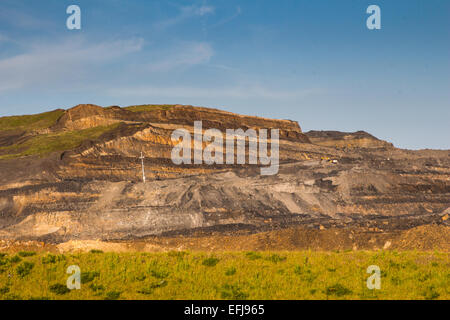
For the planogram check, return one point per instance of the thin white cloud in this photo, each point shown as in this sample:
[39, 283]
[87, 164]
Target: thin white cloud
[22, 19]
[226, 20]
[186, 12]
[44, 64]
[183, 55]
[204, 10]
[241, 92]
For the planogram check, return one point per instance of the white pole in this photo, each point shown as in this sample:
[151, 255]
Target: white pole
[143, 171]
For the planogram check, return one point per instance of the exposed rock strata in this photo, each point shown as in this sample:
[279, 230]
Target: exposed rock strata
[94, 191]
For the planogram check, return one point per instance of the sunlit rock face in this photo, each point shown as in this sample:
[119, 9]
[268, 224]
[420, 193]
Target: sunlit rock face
[94, 190]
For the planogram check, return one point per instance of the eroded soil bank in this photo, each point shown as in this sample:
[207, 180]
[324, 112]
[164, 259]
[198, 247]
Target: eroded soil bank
[422, 238]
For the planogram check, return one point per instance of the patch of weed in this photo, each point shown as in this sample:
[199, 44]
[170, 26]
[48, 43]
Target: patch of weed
[112, 295]
[87, 277]
[275, 258]
[230, 271]
[4, 290]
[15, 259]
[26, 253]
[96, 288]
[59, 289]
[232, 292]
[337, 290]
[24, 269]
[50, 259]
[210, 262]
[430, 293]
[253, 255]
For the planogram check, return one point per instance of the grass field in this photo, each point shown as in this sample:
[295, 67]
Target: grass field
[30, 122]
[233, 275]
[149, 107]
[44, 144]
[47, 143]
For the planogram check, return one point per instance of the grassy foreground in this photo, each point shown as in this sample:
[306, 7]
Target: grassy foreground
[229, 275]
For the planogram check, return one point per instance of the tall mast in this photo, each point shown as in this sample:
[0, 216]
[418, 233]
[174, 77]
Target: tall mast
[143, 170]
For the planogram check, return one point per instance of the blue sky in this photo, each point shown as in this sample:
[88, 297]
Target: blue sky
[310, 61]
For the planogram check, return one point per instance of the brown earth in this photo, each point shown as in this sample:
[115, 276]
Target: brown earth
[428, 237]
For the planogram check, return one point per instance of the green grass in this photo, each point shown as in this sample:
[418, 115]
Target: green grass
[24, 269]
[48, 143]
[44, 144]
[59, 289]
[26, 253]
[30, 122]
[149, 107]
[210, 262]
[88, 276]
[227, 275]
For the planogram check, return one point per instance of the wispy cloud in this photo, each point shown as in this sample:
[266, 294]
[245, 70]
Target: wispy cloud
[21, 18]
[184, 55]
[241, 92]
[3, 38]
[185, 13]
[46, 64]
[204, 10]
[237, 13]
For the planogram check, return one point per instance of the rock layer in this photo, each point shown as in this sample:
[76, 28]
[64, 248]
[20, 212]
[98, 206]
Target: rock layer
[326, 180]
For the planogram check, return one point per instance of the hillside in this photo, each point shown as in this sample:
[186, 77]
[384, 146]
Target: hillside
[76, 174]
